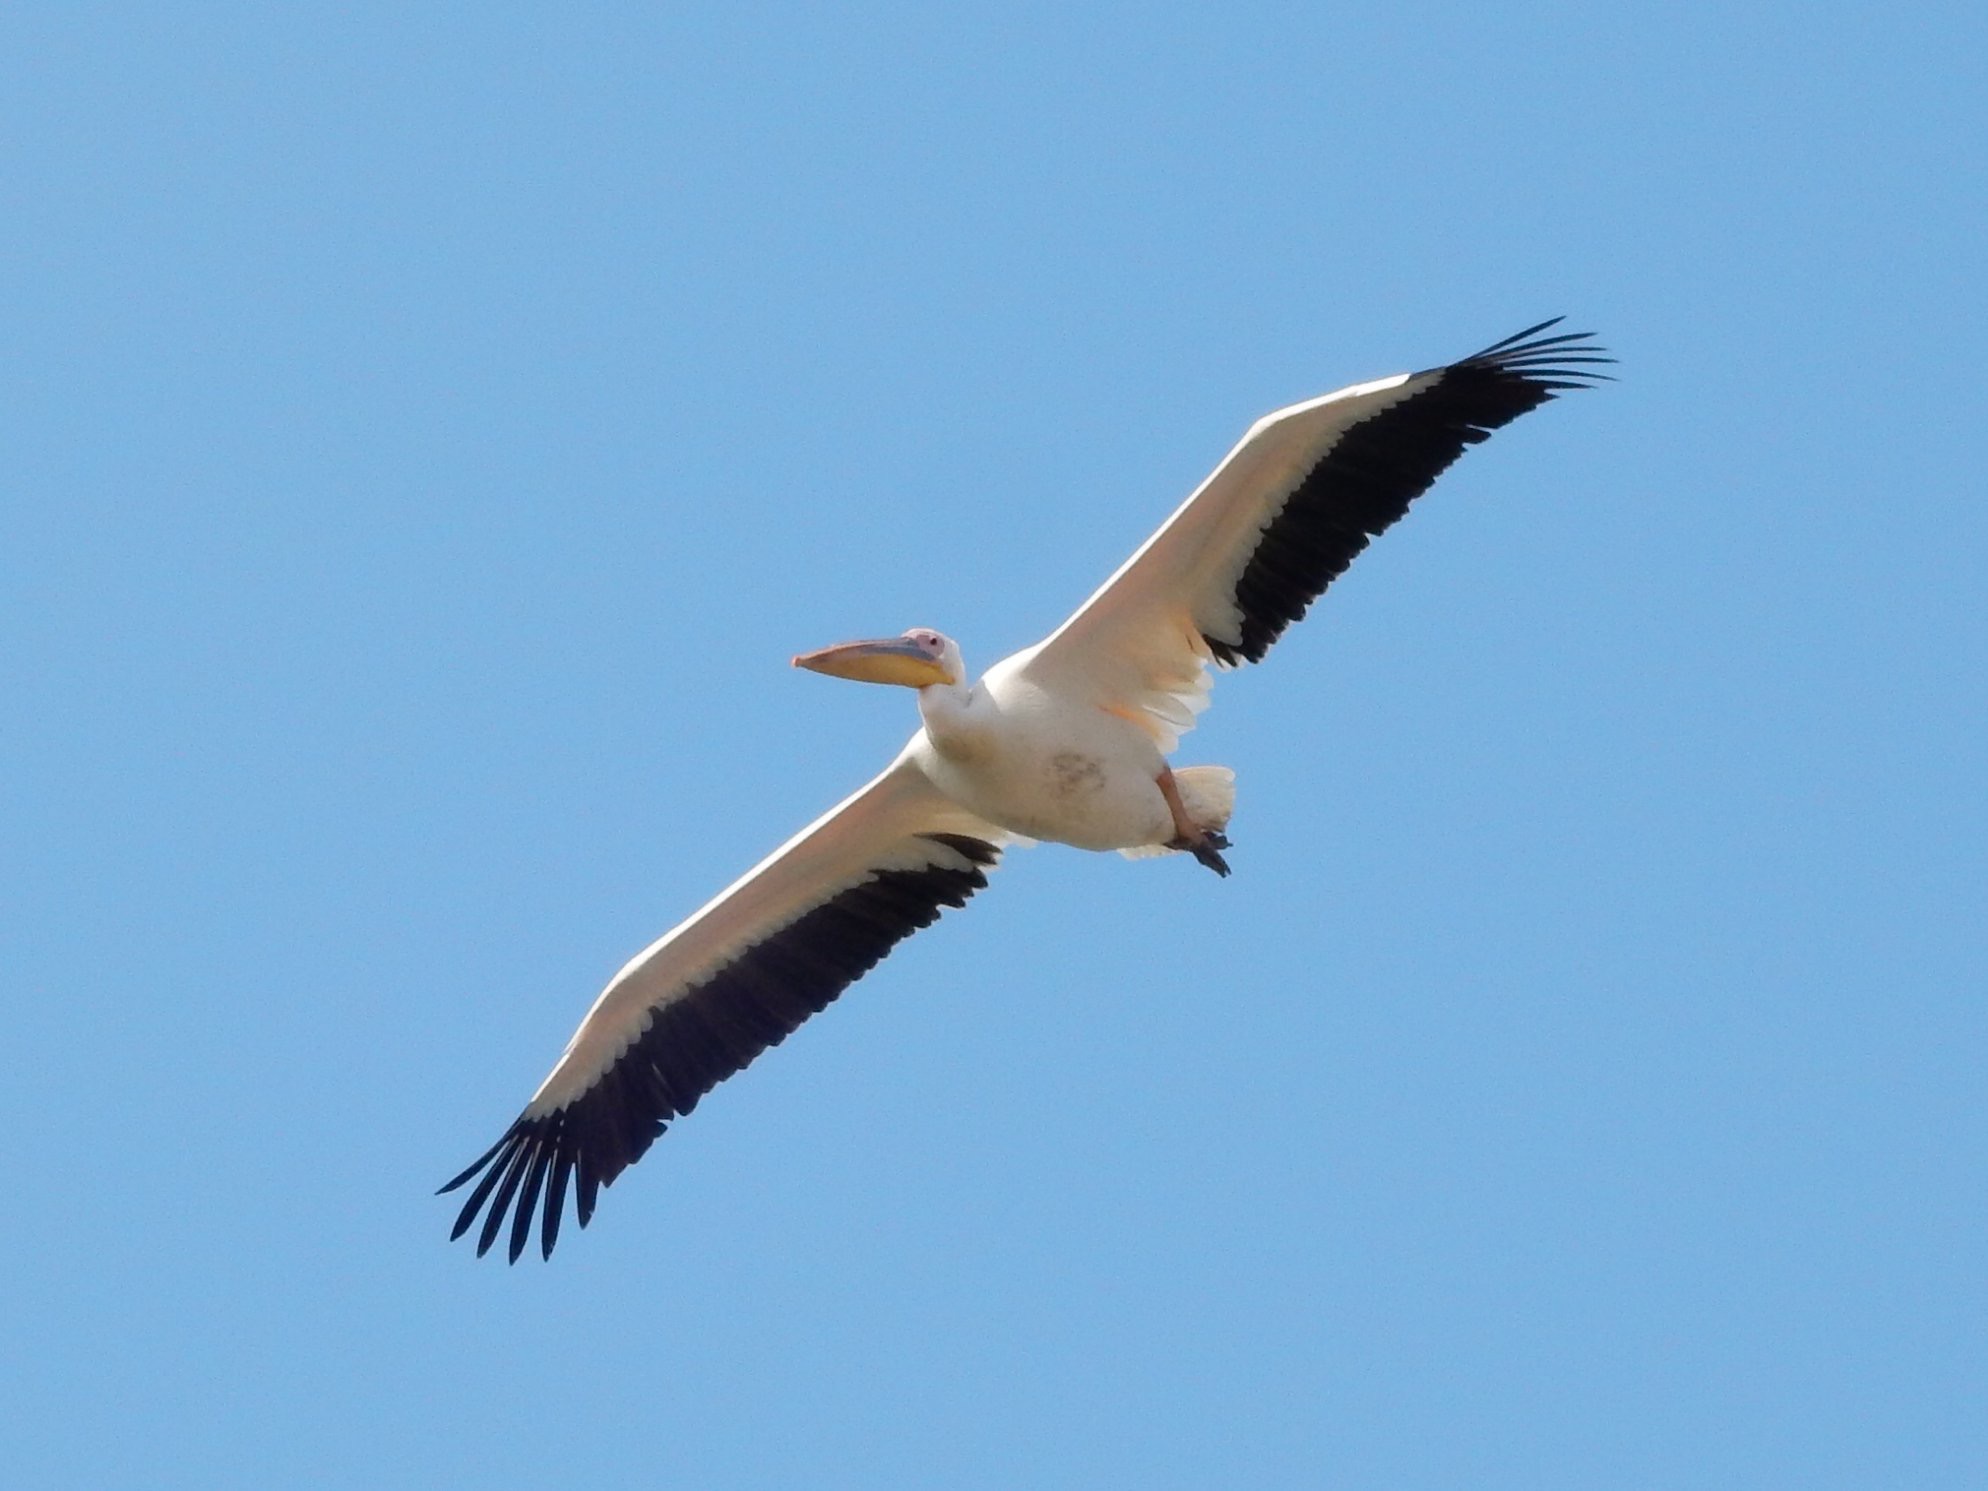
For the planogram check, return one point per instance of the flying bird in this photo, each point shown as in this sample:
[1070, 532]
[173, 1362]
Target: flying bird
[1067, 740]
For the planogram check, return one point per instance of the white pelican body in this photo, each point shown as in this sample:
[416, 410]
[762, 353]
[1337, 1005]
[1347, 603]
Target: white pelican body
[1028, 761]
[1067, 740]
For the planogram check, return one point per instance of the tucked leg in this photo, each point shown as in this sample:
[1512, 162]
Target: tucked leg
[1204, 844]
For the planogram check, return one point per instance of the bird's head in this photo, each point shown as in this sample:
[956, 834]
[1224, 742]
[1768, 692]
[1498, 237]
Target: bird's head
[918, 659]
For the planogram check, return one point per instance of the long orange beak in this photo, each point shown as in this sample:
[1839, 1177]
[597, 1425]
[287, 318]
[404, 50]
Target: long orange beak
[888, 660]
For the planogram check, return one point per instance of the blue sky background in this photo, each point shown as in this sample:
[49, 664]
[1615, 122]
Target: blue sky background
[430, 430]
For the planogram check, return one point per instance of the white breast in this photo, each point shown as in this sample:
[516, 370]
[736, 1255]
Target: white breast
[1044, 766]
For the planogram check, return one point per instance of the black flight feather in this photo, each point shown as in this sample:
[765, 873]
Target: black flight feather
[1366, 479]
[697, 1040]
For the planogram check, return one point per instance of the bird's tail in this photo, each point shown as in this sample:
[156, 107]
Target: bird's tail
[1209, 795]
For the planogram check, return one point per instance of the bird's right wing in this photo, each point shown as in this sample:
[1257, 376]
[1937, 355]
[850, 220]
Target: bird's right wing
[740, 975]
[1280, 519]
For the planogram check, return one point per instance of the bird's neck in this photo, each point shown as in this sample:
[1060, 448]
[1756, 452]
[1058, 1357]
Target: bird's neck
[955, 715]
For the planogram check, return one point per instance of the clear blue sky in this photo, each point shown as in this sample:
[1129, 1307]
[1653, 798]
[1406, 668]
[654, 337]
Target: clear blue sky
[429, 431]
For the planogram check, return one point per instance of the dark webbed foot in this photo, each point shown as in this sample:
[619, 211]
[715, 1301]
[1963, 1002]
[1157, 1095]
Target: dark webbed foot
[1206, 849]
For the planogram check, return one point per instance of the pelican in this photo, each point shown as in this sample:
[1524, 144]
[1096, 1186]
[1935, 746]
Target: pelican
[1067, 740]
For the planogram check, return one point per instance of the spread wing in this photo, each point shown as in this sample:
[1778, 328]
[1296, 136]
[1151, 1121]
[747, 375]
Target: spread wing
[738, 976]
[1281, 518]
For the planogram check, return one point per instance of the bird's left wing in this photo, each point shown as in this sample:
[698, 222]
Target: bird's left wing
[738, 976]
[1281, 518]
